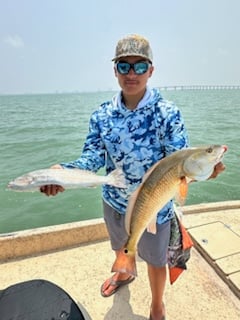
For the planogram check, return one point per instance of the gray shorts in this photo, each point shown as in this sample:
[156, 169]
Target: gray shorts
[152, 248]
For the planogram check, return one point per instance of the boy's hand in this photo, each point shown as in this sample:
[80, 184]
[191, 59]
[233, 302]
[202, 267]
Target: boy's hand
[52, 189]
[219, 168]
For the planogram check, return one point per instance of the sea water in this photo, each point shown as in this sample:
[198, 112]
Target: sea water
[37, 131]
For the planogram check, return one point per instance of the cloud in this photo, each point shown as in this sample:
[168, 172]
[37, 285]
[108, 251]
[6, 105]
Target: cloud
[14, 41]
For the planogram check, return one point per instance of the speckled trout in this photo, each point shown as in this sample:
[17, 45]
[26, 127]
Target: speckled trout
[67, 178]
[166, 179]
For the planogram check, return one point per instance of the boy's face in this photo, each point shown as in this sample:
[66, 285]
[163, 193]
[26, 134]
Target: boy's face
[132, 83]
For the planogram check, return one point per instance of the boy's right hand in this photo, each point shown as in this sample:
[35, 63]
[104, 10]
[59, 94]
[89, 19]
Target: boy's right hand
[52, 189]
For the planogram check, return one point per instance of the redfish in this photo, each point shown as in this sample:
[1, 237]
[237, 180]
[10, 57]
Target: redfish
[166, 179]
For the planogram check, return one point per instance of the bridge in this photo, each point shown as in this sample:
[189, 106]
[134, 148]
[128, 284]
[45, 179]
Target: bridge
[200, 87]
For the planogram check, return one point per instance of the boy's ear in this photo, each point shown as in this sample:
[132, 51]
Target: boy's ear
[151, 71]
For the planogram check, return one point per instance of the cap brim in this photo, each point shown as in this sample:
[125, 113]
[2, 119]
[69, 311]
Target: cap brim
[131, 55]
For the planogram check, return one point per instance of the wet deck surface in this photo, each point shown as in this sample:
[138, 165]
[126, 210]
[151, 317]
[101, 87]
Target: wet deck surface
[199, 293]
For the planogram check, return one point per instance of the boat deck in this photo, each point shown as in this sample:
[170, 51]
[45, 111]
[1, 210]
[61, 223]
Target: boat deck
[78, 258]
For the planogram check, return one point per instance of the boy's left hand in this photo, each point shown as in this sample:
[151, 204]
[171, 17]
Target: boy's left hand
[219, 167]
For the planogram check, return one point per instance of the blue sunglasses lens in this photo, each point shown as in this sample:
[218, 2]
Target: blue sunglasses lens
[123, 67]
[138, 67]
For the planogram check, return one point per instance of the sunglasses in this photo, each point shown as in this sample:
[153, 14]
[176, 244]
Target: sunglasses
[138, 67]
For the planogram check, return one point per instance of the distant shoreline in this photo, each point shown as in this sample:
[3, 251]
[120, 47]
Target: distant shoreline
[162, 88]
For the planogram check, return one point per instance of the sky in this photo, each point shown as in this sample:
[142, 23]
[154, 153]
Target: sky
[67, 45]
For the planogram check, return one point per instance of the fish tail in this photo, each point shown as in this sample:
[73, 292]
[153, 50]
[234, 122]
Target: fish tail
[117, 179]
[125, 263]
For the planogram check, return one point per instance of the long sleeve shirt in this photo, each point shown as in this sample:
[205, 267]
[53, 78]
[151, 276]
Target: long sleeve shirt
[132, 140]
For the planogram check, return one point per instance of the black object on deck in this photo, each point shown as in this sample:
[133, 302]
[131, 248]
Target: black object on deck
[39, 300]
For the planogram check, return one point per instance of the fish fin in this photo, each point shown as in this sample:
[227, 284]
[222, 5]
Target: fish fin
[125, 263]
[117, 178]
[182, 191]
[152, 227]
[188, 179]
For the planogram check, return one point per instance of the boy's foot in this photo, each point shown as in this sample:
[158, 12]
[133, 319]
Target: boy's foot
[161, 318]
[115, 285]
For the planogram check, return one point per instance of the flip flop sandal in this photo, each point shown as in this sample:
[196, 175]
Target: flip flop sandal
[118, 284]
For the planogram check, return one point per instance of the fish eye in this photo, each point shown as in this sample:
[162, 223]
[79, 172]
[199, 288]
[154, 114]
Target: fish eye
[209, 150]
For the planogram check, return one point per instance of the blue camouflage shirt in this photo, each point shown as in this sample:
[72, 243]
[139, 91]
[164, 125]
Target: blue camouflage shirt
[133, 140]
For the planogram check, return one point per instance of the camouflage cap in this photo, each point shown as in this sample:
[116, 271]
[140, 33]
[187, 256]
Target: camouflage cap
[133, 45]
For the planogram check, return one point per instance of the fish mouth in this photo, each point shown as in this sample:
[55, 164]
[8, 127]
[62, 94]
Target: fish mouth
[12, 186]
[223, 150]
